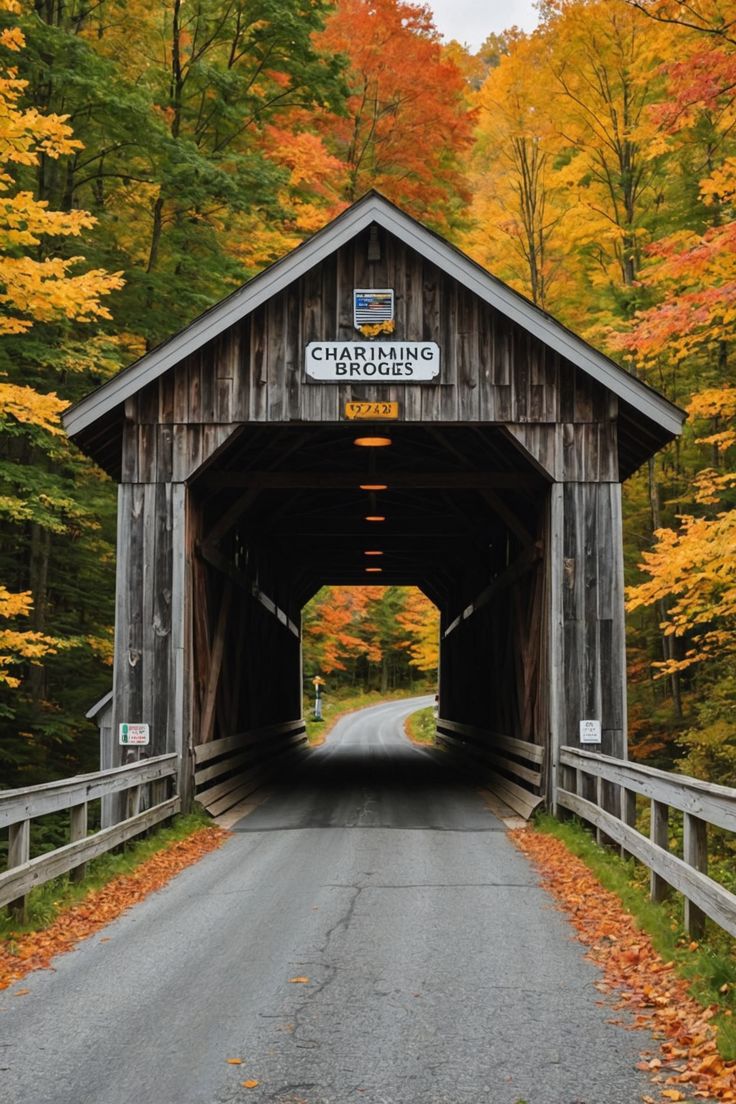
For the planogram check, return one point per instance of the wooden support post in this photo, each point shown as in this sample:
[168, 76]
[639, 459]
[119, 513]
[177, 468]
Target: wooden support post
[19, 852]
[133, 802]
[695, 854]
[600, 838]
[78, 832]
[659, 834]
[627, 814]
[215, 666]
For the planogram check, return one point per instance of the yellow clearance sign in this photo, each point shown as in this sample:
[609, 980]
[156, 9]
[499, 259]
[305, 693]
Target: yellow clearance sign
[372, 411]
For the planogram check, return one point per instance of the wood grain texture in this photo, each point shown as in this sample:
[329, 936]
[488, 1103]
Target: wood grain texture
[699, 890]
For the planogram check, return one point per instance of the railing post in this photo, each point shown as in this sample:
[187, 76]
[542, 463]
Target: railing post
[628, 814]
[19, 852]
[695, 854]
[78, 832]
[133, 803]
[600, 838]
[659, 834]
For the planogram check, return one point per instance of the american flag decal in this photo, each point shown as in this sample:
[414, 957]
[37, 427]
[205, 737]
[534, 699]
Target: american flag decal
[371, 305]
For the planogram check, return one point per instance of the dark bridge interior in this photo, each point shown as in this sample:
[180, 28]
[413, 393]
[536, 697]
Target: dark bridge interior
[459, 512]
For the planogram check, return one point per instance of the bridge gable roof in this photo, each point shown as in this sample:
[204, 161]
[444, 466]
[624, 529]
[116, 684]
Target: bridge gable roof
[101, 404]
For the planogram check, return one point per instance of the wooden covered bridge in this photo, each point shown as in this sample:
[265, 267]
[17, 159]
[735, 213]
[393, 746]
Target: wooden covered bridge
[373, 400]
[374, 391]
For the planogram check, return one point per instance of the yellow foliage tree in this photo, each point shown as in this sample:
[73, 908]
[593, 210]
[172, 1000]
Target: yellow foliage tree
[33, 289]
[694, 567]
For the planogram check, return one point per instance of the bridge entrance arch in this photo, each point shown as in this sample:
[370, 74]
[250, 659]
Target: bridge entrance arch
[253, 448]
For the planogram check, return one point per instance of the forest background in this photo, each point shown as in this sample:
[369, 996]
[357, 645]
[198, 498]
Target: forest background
[155, 155]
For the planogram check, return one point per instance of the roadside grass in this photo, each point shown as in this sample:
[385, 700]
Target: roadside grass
[338, 704]
[708, 965]
[420, 727]
[47, 901]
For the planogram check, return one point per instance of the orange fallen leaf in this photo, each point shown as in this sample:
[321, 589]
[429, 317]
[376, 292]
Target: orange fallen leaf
[672, 1094]
[235, 1061]
[21, 992]
[35, 950]
[249, 1084]
[298, 980]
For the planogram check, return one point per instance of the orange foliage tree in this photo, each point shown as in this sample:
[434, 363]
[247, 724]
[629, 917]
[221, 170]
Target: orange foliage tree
[408, 124]
[371, 634]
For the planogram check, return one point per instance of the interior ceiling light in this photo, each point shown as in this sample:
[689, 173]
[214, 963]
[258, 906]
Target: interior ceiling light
[374, 486]
[373, 570]
[372, 442]
[372, 553]
[375, 517]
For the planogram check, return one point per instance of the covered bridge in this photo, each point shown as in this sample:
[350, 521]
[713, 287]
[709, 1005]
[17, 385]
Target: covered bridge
[494, 446]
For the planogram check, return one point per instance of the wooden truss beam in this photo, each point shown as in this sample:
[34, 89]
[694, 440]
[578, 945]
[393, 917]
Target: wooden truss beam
[396, 480]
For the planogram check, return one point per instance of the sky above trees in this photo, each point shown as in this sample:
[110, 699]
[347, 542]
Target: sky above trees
[471, 22]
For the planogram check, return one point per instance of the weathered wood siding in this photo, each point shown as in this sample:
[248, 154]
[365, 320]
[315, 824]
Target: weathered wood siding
[492, 372]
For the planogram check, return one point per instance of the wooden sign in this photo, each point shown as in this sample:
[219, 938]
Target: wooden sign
[372, 411]
[137, 735]
[372, 361]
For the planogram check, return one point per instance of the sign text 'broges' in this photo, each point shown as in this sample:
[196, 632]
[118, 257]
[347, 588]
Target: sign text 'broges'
[373, 361]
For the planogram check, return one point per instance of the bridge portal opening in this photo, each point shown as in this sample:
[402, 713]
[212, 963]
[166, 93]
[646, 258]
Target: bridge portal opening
[456, 511]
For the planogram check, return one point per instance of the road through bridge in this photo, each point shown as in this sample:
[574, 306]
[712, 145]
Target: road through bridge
[439, 971]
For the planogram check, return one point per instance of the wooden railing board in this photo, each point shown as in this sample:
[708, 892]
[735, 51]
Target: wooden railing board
[523, 748]
[716, 804]
[19, 880]
[260, 774]
[204, 752]
[52, 797]
[480, 755]
[707, 895]
[482, 747]
[245, 755]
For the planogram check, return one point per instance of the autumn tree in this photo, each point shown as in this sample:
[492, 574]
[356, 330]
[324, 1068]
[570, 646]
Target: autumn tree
[407, 126]
[370, 636]
[518, 201]
[37, 287]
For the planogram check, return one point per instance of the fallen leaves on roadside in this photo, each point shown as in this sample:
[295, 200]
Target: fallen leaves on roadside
[249, 1084]
[35, 950]
[299, 981]
[636, 975]
[21, 992]
[235, 1061]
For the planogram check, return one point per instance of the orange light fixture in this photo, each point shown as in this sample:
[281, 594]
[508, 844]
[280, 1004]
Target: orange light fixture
[372, 553]
[374, 517]
[372, 442]
[374, 486]
[373, 570]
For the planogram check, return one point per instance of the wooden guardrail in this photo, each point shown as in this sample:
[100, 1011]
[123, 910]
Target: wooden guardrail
[227, 770]
[499, 756]
[701, 803]
[19, 807]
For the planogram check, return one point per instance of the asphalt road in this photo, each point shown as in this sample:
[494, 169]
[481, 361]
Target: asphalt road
[439, 971]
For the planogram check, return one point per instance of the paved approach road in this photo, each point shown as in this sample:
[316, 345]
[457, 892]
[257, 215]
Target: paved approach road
[439, 972]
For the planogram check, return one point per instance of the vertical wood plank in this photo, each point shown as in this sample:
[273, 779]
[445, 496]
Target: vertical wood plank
[78, 831]
[695, 854]
[628, 813]
[659, 834]
[19, 852]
